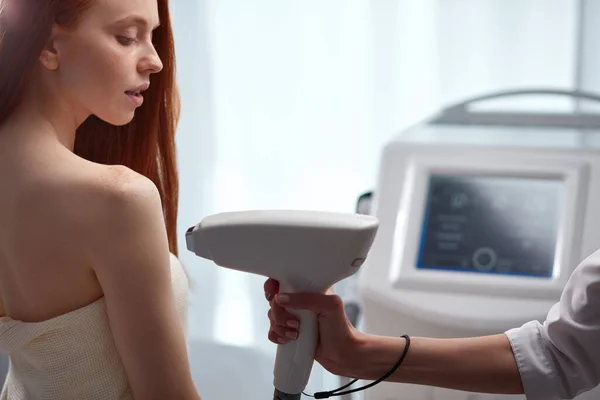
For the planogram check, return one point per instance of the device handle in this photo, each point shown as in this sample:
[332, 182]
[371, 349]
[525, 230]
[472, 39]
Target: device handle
[460, 114]
[294, 360]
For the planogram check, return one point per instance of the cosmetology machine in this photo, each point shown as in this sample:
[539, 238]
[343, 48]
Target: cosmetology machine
[306, 251]
[483, 217]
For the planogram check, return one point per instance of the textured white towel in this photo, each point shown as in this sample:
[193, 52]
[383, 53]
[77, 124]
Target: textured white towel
[72, 356]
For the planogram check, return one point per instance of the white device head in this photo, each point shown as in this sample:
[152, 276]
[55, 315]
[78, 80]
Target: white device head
[306, 251]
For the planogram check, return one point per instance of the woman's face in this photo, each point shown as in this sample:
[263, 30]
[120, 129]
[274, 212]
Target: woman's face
[101, 66]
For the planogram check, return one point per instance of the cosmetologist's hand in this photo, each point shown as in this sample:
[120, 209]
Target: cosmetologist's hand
[338, 339]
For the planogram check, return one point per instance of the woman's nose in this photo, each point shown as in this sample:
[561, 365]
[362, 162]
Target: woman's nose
[152, 62]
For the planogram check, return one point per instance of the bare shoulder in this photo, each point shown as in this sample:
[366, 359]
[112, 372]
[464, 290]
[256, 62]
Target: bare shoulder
[120, 208]
[94, 207]
[74, 201]
[121, 184]
[118, 186]
[106, 197]
[86, 186]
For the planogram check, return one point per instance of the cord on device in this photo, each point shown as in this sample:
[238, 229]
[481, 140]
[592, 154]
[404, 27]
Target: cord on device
[336, 392]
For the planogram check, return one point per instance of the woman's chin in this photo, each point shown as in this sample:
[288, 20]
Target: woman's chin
[118, 120]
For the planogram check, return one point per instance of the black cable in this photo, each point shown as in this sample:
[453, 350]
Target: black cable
[326, 395]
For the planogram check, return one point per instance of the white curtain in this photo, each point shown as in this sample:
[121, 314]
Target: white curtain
[287, 104]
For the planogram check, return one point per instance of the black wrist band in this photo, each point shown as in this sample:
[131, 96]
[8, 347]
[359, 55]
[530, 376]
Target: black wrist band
[326, 395]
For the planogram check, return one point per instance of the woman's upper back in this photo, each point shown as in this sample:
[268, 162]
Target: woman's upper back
[45, 267]
[72, 233]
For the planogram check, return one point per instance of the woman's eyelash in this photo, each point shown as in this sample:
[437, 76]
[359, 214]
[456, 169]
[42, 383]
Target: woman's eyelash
[124, 40]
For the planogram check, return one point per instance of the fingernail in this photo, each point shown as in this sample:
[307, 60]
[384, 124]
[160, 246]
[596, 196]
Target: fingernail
[268, 296]
[282, 298]
[292, 335]
[293, 324]
[281, 340]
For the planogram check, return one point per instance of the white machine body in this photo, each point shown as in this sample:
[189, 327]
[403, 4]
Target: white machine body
[480, 228]
[306, 251]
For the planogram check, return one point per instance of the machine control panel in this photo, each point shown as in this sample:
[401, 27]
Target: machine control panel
[491, 224]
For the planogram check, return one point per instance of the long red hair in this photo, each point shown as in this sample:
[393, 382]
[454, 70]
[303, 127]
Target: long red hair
[147, 144]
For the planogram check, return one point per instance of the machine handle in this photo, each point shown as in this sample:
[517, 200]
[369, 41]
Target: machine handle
[460, 114]
[294, 360]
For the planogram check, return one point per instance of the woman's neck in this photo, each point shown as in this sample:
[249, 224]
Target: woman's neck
[38, 121]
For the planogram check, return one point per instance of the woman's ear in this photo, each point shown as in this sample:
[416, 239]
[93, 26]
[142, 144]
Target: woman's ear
[50, 55]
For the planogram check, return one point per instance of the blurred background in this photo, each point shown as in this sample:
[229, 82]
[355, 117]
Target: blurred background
[287, 104]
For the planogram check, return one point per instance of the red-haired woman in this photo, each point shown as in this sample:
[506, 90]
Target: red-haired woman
[92, 297]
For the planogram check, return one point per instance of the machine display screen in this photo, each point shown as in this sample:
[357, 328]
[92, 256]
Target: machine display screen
[503, 225]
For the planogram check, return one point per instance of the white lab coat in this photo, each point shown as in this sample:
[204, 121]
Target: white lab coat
[560, 358]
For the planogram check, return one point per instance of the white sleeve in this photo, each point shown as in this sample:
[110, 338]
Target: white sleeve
[560, 358]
